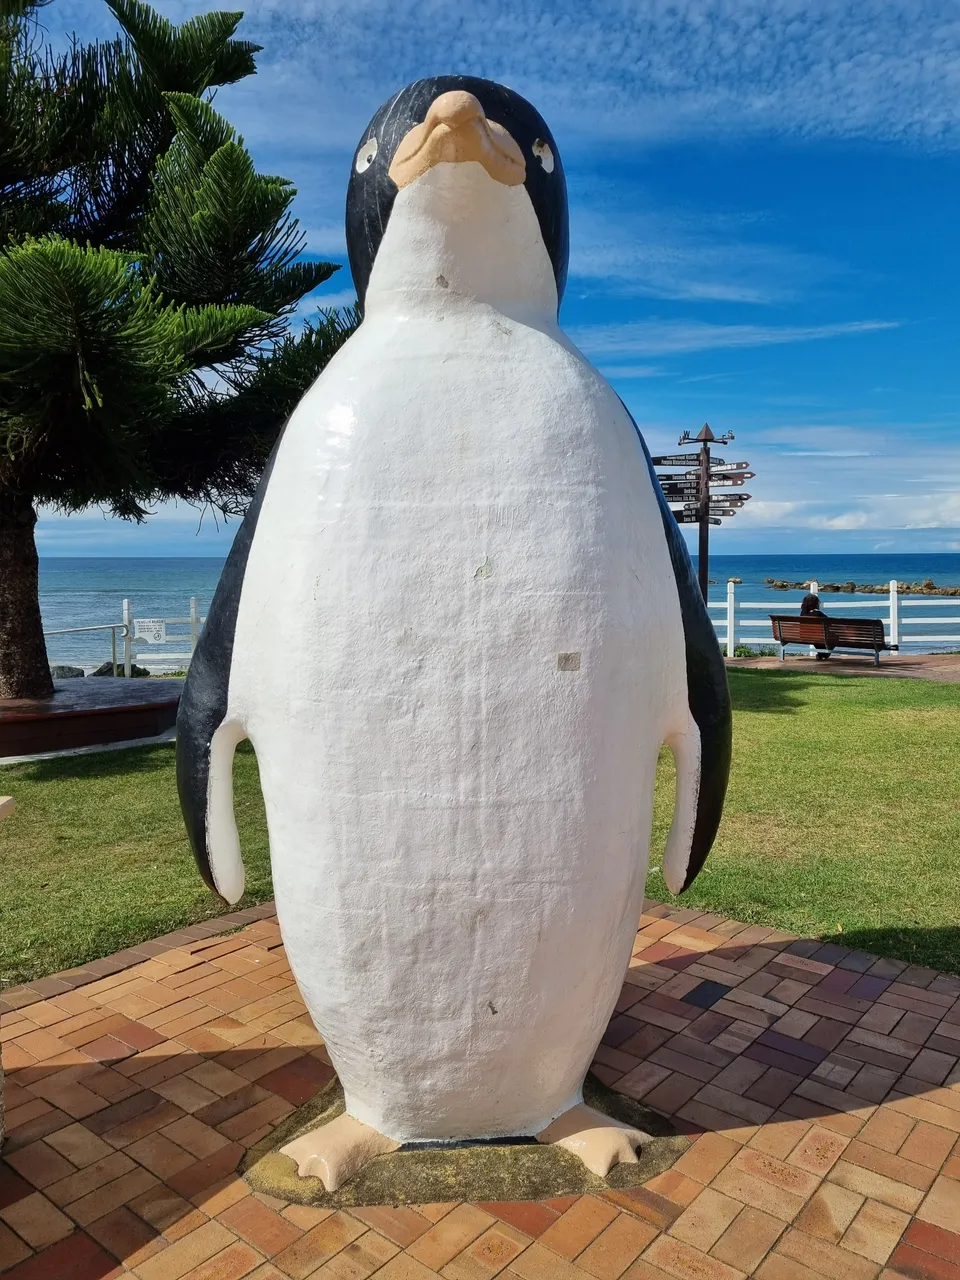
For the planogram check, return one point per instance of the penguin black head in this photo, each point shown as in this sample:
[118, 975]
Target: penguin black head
[452, 118]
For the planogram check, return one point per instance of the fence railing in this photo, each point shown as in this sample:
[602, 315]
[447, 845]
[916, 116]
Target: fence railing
[734, 629]
[133, 632]
[738, 623]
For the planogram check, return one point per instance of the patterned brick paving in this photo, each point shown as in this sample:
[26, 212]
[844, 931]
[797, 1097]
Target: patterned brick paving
[820, 1087]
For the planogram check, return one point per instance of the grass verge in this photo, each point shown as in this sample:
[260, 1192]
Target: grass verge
[95, 858]
[842, 818]
[842, 821]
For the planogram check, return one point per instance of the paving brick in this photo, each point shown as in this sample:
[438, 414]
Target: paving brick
[259, 1226]
[707, 1157]
[451, 1235]
[675, 1187]
[12, 1248]
[235, 1261]
[748, 1239]
[538, 1263]
[159, 1155]
[704, 1221]
[76, 1257]
[876, 1231]
[656, 1209]
[887, 1130]
[402, 1225]
[79, 1145]
[83, 1181]
[875, 1186]
[39, 1164]
[681, 1260]
[488, 1255]
[824, 1258]
[319, 1245]
[818, 1150]
[110, 1196]
[919, 1266]
[942, 1204]
[931, 1239]
[37, 1220]
[579, 1226]
[780, 1135]
[527, 1216]
[774, 1086]
[178, 1259]
[891, 1166]
[127, 1237]
[829, 1212]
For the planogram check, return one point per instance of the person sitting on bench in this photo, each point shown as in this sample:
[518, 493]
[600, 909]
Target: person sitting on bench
[810, 608]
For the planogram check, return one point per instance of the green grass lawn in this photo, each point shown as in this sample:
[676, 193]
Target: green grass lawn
[842, 821]
[843, 814]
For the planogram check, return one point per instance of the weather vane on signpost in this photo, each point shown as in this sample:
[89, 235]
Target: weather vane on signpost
[692, 488]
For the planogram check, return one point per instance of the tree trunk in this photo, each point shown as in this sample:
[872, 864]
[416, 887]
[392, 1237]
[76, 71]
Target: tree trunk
[24, 670]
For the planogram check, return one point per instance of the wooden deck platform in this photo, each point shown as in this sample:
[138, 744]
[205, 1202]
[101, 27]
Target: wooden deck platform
[88, 712]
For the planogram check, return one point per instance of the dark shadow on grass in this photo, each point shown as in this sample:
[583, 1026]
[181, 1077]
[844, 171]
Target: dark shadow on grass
[101, 764]
[781, 692]
[929, 948]
[154, 758]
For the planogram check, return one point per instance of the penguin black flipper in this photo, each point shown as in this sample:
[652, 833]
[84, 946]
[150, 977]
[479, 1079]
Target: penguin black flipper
[206, 738]
[710, 708]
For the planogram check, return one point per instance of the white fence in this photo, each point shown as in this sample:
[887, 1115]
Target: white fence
[747, 622]
[128, 637]
[744, 623]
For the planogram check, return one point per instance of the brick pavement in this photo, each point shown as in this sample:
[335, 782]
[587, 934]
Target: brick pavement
[820, 1087]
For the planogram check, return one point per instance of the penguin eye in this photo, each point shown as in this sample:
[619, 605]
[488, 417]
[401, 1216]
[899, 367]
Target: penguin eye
[544, 154]
[368, 153]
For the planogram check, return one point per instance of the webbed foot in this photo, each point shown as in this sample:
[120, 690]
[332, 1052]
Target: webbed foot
[599, 1140]
[335, 1151]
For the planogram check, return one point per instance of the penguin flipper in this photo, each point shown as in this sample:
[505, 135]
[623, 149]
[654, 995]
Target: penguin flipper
[207, 736]
[702, 748]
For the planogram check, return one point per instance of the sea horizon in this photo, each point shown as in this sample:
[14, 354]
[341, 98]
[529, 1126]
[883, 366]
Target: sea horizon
[85, 591]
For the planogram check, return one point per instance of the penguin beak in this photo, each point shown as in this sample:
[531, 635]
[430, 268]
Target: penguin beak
[455, 130]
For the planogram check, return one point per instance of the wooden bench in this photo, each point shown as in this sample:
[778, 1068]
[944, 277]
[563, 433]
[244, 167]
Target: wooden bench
[830, 633]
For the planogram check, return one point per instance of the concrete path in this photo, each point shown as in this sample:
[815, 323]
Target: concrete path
[942, 667]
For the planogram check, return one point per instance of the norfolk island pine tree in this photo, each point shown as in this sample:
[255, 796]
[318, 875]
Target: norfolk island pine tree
[147, 279]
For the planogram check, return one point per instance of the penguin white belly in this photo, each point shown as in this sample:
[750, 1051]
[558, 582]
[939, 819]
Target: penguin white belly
[458, 650]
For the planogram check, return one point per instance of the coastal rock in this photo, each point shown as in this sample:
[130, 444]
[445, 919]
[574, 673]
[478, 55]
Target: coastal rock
[60, 672]
[106, 669]
[925, 588]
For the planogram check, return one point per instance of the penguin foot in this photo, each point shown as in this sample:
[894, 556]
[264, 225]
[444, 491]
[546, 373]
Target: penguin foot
[599, 1140]
[336, 1151]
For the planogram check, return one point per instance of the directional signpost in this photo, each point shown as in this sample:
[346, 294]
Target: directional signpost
[704, 489]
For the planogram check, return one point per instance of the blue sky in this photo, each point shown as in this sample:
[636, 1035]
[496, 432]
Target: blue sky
[764, 227]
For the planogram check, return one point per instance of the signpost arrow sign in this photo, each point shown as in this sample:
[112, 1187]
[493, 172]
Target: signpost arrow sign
[680, 486]
[681, 460]
[691, 517]
[730, 482]
[718, 464]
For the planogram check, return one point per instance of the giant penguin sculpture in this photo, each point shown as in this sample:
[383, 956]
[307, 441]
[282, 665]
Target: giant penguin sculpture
[457, 624]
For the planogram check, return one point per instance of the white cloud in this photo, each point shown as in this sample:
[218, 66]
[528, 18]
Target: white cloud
[866, 68]
[678, 337]
[633, 248]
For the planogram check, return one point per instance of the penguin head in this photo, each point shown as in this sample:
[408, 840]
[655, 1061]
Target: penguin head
[460, 149]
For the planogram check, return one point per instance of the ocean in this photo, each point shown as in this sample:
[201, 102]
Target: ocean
[86, 592]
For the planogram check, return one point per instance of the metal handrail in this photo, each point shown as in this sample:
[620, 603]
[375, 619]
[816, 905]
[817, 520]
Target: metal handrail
[112, 627]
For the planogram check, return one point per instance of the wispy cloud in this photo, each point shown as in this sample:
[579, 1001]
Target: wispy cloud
[678, 337]
[630, 246]
[840, 68]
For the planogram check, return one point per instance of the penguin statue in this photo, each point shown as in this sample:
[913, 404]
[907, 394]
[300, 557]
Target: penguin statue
[457, 623]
